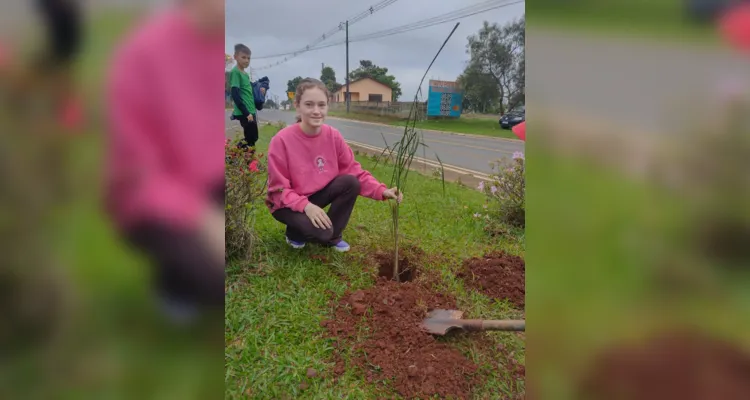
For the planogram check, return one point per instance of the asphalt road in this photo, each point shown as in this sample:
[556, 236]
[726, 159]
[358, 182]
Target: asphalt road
[632, 82]
[469, 152]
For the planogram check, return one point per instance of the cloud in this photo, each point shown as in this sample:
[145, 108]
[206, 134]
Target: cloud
[285, 26]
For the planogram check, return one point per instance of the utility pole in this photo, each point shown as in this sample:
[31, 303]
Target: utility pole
[348, 96]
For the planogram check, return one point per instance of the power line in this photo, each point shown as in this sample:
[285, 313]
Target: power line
[447, 17]
[437, 20]
[427, 23]
[340, 27]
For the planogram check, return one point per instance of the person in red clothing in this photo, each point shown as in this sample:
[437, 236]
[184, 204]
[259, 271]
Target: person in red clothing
[310, 166]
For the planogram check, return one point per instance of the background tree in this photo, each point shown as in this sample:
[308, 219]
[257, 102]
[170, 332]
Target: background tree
[367, 69]
[328, 76]
[517, 33]
[499, 53]
[291, 85]
[519, 98]
[480, 91]
[270, 104]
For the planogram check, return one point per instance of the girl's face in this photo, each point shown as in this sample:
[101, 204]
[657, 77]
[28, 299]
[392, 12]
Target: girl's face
[313, 107]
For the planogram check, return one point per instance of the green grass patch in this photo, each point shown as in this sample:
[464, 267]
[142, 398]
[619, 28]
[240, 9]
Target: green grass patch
[484, 126]
[104, 30]
[664, 19]
[593, 281]
[382, 119]
[274, 308]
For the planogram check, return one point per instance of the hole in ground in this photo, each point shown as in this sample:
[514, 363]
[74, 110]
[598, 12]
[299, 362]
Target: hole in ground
[409, 260]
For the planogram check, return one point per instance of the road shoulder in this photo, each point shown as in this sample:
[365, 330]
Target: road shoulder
[431, 130]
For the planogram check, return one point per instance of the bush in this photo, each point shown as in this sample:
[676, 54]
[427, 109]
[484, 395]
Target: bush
[506, 194]
[245, 190]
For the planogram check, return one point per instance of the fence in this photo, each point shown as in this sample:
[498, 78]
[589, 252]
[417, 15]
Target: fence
[396, 109]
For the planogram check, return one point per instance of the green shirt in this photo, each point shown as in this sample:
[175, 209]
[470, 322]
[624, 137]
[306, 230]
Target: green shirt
[241, 80]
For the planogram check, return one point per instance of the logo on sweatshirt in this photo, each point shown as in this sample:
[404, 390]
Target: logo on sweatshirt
[320, 163]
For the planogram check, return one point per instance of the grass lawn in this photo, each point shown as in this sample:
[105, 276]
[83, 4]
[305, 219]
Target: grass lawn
[665, 19]
[484, 126]
[274, 308]
[596, 252]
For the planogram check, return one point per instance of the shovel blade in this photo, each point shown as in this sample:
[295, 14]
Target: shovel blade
[445, 314]
[440, 322]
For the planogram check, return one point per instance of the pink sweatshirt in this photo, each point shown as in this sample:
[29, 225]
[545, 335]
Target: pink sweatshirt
[165, 149]
[300, 165]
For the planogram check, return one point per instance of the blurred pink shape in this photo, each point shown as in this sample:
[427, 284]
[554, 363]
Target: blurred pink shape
[734, 26]
[520, 130]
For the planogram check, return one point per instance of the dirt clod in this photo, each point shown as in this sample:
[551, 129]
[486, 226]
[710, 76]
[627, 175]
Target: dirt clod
[357, 296]
[395, 347]
[497, 275]
[679, 365]
[358, 308]
[311, 373]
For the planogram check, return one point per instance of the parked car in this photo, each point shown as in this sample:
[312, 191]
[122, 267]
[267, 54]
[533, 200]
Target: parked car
[512, 118]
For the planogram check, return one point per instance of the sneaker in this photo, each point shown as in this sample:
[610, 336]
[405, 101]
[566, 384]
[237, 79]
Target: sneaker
[295, 244]
[341, 247]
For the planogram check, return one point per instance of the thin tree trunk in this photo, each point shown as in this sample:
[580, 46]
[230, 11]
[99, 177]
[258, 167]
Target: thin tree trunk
[395, 243]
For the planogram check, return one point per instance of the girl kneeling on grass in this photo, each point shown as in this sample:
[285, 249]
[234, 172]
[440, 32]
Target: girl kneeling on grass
[311, 166]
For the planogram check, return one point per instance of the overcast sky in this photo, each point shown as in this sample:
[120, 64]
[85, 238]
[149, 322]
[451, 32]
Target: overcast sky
[282, 26]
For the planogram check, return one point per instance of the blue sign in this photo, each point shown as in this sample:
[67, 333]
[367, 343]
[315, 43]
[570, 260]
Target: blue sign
[443, 101]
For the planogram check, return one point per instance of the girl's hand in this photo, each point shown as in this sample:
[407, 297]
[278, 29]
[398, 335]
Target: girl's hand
[318, 217]
[393, 194]
[250, 117]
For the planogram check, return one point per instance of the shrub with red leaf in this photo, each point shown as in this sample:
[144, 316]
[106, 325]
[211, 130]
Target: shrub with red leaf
[245, 191]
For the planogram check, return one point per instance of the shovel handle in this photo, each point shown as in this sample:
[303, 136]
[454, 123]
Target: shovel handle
[518, 325]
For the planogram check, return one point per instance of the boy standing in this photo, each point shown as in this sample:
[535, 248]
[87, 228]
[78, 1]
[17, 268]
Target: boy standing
[242, 94]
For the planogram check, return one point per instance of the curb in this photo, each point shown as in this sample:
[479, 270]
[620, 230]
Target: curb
[469, 179]
[433, 131]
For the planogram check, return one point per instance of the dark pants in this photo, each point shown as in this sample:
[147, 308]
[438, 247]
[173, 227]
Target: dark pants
[341, 194]
[250, 130]
[183, 267]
